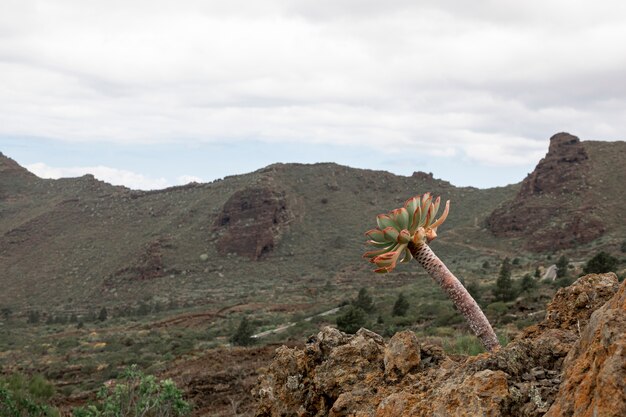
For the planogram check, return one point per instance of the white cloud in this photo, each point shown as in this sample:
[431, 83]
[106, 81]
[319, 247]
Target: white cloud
[111, 175]
[490, 79]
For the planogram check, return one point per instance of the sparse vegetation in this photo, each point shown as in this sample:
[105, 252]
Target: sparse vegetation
[136, 394]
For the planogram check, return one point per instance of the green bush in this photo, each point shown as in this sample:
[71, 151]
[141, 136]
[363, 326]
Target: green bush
[364, 301]
[601, 263]
[137, 394]
[352, 320]
[401, 306]
[243, 334]
[20, 397]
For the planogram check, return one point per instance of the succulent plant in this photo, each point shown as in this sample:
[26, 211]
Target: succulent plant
[415, 222]
[403, 234]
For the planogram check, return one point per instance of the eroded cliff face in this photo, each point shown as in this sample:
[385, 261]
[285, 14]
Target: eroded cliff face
[253, 220]
[570, 364]
[551, 211]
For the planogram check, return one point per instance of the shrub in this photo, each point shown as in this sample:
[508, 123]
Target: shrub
[504, 285]
[561, 267]
[352, 320]
[601, 263]
[243, 334]
[20, 397]
[528, 284]
[137, 394]
[401, 306]
[364, 301]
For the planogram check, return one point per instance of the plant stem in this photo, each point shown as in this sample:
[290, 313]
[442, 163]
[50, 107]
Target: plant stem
[453, 288]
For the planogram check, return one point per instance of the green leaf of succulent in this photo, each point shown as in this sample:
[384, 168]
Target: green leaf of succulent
[417, 216]
[408, 256]
[436, 207]
[391, 234]
[376, 235]
[412, 204]
[401, 217]
[384, 221]
[380, 244]
[374, 253]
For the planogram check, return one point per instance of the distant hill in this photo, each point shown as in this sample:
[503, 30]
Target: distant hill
[77, 242]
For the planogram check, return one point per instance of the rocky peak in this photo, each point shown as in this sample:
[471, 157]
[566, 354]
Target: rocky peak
[562, 170]
[8, 167]
[550, 211]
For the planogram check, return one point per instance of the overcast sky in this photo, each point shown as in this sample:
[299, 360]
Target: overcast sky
[155, 93]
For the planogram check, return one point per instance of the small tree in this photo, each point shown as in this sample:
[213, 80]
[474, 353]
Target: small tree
[401, 306]
[103, 315]
[601, 263]
[364, 301]
[528, 283]
[243, 334]
[352, 319]
[504, 285]
[33, 317]
[537, 273]
[561, 267]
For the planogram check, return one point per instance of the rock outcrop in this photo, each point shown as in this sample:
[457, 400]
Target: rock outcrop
[570, 364]
[562, 176]
[252, 221]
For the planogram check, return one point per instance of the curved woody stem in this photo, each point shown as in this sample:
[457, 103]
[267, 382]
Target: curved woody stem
[453, 288]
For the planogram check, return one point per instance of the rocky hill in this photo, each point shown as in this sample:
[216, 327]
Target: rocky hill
[570, 364]
[572, 197]
[79, 243]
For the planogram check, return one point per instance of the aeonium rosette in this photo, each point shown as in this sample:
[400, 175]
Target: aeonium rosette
[415, 222]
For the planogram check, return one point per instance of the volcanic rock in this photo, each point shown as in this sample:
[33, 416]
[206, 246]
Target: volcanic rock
[559, 367]
[560, 179]
[252, 221]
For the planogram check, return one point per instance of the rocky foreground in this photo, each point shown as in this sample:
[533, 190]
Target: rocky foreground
[571, 364]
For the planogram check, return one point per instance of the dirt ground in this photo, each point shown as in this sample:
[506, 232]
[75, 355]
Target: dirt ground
[219, 382]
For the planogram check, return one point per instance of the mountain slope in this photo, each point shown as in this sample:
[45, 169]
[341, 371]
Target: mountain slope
[575, 195]
[280, 232]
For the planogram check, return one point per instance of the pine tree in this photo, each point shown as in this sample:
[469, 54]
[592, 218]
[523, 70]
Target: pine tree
[364, 301]
[243, 334]
[352, 320]
[561, 267]
[504, 285]
[401, 306]
[103, 315]
[528, 283]
[601, 263]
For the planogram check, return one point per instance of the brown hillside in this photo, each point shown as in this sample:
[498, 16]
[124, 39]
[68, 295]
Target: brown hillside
[573, 196]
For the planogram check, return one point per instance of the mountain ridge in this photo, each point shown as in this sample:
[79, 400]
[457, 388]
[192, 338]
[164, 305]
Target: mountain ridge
[69, 242]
